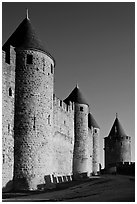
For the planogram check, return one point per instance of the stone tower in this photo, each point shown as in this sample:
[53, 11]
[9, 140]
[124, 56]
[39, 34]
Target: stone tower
[8, 97]
[81, 153]
[95, 132]
[117, 146]
[33, 121]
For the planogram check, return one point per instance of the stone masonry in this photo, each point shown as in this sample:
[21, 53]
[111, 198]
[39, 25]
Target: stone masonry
[45, 139]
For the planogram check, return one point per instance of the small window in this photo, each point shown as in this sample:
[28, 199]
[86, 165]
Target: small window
[95, 131]
[3, 158]
[10, 91]
[81, 108]
[29, 59]
[51, 69]
[126, 137]
[34, 124]
[43, 61]
[64, 122]
[49, 119]
[8, 128]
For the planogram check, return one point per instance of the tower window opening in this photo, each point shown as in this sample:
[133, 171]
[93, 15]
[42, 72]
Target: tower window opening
[49, 119]
[34, 125]
[10, 91]
[121, 143]
[43, 64]
[51, 69]
[29, 59]
[81, 108]
[126, 137]
[3, 158]
[95, 131]
[8, 128]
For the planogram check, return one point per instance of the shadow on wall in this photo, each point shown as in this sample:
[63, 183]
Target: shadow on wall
[8, 187]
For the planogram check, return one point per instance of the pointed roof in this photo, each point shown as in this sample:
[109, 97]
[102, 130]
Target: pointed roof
[76, 97]
[25, 37]
[117, 129]
[92, 122]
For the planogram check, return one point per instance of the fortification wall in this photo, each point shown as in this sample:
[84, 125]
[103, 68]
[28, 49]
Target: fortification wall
[63, 137]
[33, 119]
[8, 95]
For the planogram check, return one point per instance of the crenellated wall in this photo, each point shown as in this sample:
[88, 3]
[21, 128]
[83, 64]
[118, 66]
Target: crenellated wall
[8, 95]
[63, 137]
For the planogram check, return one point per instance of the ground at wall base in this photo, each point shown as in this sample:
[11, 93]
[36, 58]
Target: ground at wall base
[108, 188]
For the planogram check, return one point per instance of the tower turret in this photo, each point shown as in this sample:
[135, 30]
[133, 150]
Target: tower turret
[117, 146]
[95, 132]
[33, 122]
[81, 153]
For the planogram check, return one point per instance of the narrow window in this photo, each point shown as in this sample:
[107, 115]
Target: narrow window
[49, 119]
[3, 158]
[51, 69]
[29, 59]
[81, 108]
[34, 124]
[126, 137]
[43, 64]
[8, 128]
[95, 131]
[10, 91]
[60, 103]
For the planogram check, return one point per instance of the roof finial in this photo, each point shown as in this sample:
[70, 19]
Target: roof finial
[77, 85]
[116, 115]
[27, 14]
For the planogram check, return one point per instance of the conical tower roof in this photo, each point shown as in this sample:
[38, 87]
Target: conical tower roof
[25, 37]
[76, 97]
[92, 122]
[117, 129]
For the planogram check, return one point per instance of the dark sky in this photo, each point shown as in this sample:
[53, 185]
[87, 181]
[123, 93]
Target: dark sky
[93, 44]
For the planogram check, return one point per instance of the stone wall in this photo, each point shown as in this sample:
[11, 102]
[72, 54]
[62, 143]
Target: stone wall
[63, 139]
[33, 119]
[8, 91]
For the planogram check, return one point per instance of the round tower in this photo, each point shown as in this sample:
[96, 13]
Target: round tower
[95, 134]
[117, 146]
[81, 152]
[33, 108]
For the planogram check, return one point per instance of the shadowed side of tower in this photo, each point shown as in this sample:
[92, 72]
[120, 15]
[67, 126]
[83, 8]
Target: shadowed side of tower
[117, 146]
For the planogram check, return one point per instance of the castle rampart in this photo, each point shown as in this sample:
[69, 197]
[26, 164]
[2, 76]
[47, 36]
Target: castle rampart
[63, 139]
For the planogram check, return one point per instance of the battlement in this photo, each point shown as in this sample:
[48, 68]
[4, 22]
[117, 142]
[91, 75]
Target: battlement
[63, 105]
